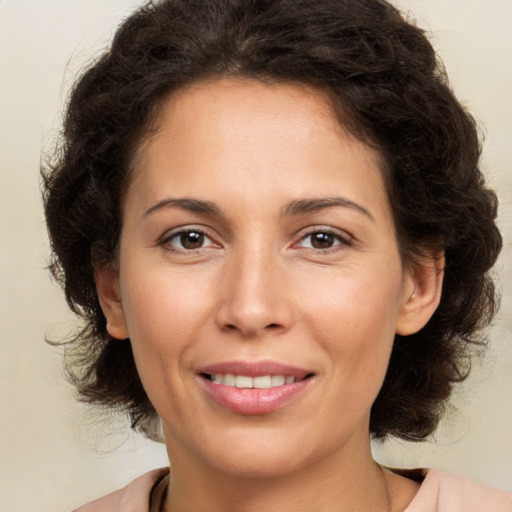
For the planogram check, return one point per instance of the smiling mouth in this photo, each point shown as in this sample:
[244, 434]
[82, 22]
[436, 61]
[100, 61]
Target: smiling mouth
[249, 382]
[255, 388]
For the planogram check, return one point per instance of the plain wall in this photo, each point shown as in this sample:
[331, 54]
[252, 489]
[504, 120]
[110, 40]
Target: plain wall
[54, 454]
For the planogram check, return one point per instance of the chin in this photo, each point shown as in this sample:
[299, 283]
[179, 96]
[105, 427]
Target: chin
[262, 454]
[263, 465]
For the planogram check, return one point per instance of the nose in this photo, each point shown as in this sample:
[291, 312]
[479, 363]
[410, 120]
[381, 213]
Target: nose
[256, 298]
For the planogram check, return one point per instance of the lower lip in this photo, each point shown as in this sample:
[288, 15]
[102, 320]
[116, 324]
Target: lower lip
[255, 401]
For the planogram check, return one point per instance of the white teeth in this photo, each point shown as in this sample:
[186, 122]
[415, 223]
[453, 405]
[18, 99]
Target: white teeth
[278, 380]
[229, 380]
[242, 381]
[263, 382]
[245, 381]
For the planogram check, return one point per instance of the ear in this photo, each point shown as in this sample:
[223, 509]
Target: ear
[107, 287]
[422, 294]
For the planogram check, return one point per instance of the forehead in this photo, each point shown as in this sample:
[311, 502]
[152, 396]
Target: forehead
[241, 136]
[248, 105]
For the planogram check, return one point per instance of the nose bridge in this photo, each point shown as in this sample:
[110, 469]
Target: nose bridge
[255, 298]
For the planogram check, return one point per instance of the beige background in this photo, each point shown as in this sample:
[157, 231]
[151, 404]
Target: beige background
[54, 454]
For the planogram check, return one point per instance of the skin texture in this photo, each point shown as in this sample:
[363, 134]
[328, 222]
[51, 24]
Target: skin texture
[257, 289]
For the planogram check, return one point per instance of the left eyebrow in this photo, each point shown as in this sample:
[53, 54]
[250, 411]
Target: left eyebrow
[310, 205]
[186, 203]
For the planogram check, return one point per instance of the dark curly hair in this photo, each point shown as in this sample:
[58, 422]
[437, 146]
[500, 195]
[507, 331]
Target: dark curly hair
[388, 89]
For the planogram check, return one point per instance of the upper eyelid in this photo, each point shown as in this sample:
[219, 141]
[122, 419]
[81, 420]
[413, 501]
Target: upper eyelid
[184, 229]
[217, 231]
[343, 234]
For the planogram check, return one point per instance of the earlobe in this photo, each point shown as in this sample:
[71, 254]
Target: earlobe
[422, 294]
[107, 287]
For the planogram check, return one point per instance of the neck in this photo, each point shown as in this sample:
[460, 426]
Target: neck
[345, 481]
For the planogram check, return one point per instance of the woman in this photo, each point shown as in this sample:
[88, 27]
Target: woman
[270, 216]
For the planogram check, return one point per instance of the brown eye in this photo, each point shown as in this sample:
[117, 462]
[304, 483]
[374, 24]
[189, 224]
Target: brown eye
[322, 240]
[188, 240]
[192, 240]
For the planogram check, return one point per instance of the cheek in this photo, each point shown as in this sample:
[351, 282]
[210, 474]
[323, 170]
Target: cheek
[164, 313]
[159, 300]
[164, 316]
[354, 320]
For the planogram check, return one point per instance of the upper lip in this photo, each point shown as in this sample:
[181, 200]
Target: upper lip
[255, 369]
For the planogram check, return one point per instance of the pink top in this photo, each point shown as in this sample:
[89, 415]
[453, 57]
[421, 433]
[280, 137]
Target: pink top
[439, 492]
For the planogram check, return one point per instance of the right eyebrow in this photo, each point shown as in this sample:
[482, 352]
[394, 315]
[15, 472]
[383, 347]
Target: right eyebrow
[310, 205]
[185, 203]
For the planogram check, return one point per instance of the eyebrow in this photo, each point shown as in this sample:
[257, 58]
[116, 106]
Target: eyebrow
[185, 203]
[310, 205]
[297, 207]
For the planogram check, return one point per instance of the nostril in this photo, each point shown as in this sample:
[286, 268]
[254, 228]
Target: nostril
[272, 326]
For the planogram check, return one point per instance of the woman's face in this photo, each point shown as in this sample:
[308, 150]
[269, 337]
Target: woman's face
[258, 249]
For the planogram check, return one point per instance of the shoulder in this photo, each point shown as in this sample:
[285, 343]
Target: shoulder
[445, 492]
[135, 497]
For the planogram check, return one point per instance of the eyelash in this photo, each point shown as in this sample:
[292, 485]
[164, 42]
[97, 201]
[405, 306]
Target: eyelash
[342, 240]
